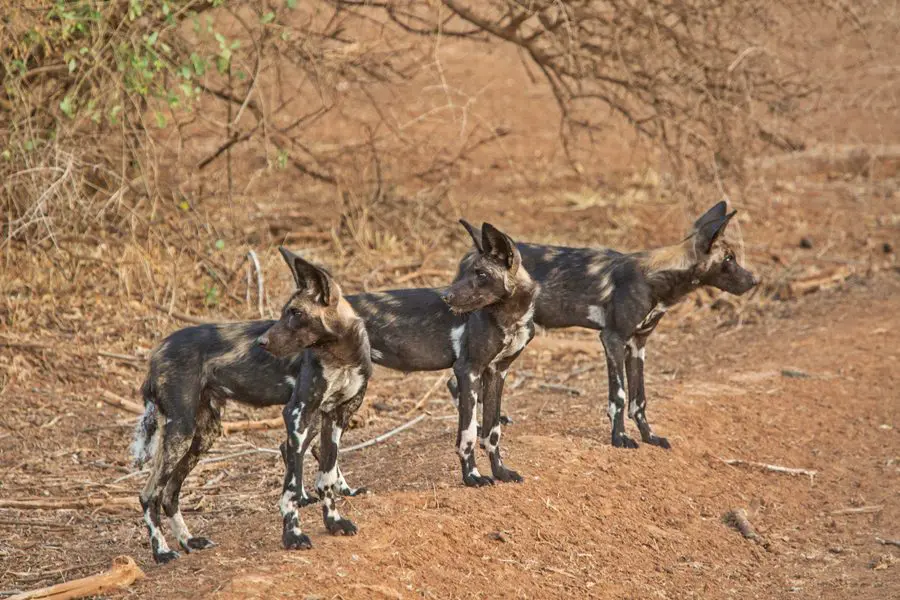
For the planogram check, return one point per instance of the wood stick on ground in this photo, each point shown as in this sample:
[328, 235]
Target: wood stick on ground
[767, 467]
[884, 542]
[556, 387]
[263, 424]
[422, 273]
[67, 503]
[383, 436]
[441, 380]
[183, 317]
[861, 510]
[120, 402]
[124, 572]
[738, 520]
[125, 357]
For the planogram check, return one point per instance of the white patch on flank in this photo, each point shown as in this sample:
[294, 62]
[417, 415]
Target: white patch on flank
[291, 381]
[336, 435]
[597, 316]
[376, 354]
[180, 528]
[456, 339]
[488, 446]
[155, 533]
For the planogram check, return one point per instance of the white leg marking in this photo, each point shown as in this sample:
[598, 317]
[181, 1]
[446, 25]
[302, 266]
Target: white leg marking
[156, 534]
[488, 446]
[456, 339]
[468, 438]
[287, 504]
[291, 381]
[180, 529]
[336, 435]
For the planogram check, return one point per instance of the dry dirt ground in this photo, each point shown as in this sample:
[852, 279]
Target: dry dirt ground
[811, 384]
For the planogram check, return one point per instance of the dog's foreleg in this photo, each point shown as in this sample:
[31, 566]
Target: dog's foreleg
[298, 415]
[614, 346]
[637, 399]
[327, 484]
[492, 394]
[467, 432]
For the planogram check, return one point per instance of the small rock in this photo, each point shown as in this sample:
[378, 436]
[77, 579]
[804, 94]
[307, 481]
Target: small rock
[795, 374]
[497, 536]
[806, 243]
[887, 248]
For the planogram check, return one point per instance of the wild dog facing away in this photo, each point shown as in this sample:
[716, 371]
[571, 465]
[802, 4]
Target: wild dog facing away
[624, 296]
[477, 327]
[191, 375]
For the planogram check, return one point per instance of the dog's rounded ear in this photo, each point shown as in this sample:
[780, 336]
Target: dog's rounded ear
[310, 278]
[473, 231]
[501, 246]
[709, 232]
[718, 211]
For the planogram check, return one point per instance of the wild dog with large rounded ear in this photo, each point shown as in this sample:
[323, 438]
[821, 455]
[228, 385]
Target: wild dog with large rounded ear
[474, 233]
[710, 226]
[500, 246]
[310, 278]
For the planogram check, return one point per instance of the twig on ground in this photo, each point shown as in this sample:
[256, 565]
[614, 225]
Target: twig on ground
[67, 503]
[441, 380]
[884, 542]
[182, 317]
[216, 459]
[125, 357]
[120, 402]
[422, 273]
[767, 467]
[860, 510]
[560, 388]
[383, 436]
[738, 520]
[263, 424]
[124, 572]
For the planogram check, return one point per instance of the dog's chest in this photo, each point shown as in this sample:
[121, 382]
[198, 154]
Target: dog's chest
[341, 384]
[517, 337]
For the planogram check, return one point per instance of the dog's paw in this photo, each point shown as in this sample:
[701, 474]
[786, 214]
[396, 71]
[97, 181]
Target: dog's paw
[340, 526]
[162, 558]
[623, 441]
[352, 492]
[473, 480]
[197, 543]
[507, 475]
[295, 540]
[662, 442]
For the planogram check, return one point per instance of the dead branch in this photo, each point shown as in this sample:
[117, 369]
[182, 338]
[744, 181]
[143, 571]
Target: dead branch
[860, 510]
[437, 383]
[383, 436]
[557, 344]
[68, 503]
[124, 572]
[125, 357]
[183, 317]
[120, 402]
[884, 542]
[556, 387]
[767, 467]
[260, 285]
[261, 425]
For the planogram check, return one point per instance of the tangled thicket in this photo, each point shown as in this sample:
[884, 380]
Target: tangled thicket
[101, 99]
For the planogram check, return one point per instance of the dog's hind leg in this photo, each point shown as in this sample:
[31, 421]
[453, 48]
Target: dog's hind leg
[637, 400]
[208, 430]
[176, 441]
[614, 346]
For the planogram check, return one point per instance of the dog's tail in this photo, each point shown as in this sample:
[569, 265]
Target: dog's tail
[147, 431]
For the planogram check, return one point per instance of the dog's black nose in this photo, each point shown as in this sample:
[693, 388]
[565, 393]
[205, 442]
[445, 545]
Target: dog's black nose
[263, 340]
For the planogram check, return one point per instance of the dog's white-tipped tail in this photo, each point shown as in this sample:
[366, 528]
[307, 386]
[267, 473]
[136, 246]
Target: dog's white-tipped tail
[146, 435]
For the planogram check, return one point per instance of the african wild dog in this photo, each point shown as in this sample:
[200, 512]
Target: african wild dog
[192, 373]
[477, 327]
[332, 383]
[624, 296]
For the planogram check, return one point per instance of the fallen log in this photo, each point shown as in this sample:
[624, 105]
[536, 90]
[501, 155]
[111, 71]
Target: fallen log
[124, 572]
[261, 425]
[67, 503]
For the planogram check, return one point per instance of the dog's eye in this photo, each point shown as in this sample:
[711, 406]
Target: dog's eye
[480, 275]
[729, 257]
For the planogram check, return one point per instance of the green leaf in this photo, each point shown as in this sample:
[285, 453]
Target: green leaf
[67, 106]
[292, 4]
[73, 64]
[267, 18]
[161, 120]
[220, 244]
[151, 40]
